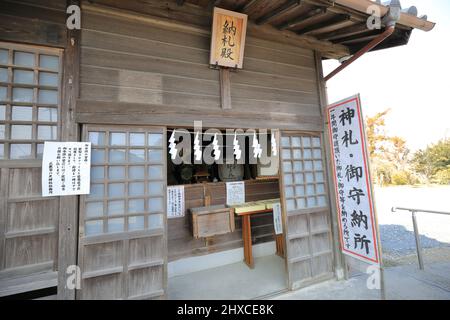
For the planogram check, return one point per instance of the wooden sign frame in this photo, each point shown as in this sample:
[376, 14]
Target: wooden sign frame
[215, 33]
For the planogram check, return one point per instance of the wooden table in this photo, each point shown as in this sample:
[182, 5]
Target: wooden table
[247, 237]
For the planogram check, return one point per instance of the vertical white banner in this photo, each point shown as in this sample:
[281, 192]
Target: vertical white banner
[66, 168]
[357, 221]
[175, 202]
[277, 222]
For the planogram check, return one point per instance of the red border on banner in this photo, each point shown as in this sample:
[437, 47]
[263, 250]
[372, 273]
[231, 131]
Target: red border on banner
[366, 170]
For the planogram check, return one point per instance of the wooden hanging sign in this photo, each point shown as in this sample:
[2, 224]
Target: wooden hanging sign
[228, 38]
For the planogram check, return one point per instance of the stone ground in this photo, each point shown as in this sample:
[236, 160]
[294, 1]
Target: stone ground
[405, 282]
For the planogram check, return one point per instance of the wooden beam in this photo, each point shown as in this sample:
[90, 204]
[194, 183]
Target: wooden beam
[304, 20]
[180, 2]
[225, 88]
[68, 205]
[349, 31]
[213, 3]
[247, 6]
[266, 32]
[329, 25]
[287, 6]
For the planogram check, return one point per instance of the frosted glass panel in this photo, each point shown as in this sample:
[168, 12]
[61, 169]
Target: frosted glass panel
[4, 56]
[298, 166]
[155, 156]
[2, 131]
[298, 178]
[2, 112]
[288, 179]
[136, 172]
[286, 154]
[312, 202]
[116, 207]
[310, 189]
[136, 205]
[24, 59]
[49, 62]
[317, 165]
[155, 172]
[155, 221]
[97, 138]
[309, 178]
[308, 165]
[2, 93]
[319, 177]
[97, 173]
[21, 132]
[116, 189]
[307, 154]
[316, 142]
[2, 151]
[22, 95]
[301, 203]
[287, 166]
[155, 139]
[97, 191]
[97, 156]
[94, 209]
[117, 155]
[48, 114]
[297, 154]
[115, 225]
[47, 133]
[94, 227]
[136, 155]
[295, 142]
[136, 189]
[116, 172]
[22, 76]
[289, 191]
[48, 96]
[321, 201]
[155, 205]
[299, 191]
[290, 204]
[306, 142]
[137, 139]
[39, 150]
[22, 113]
[3, 75]
[320, 188]
[155, 188]
[18, 151]
[136, 223]
[117, 139]
[48, 79]
[285, 141]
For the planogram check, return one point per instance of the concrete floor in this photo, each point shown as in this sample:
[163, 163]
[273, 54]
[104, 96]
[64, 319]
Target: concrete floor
[402, 283]
[233, 281]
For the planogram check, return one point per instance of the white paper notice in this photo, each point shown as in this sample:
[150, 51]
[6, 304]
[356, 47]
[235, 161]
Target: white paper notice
[277, 222]
[175, 202]
[235, 193]
[66, 168]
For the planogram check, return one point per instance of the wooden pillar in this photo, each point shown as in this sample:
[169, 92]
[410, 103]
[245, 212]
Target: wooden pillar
[68, 210]
[339, 259]
[225, 88]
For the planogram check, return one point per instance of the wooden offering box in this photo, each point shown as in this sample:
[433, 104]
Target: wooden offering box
[212, 220]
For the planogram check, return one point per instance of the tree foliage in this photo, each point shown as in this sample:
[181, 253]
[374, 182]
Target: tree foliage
[434, 162]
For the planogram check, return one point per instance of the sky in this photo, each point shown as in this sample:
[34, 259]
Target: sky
[412, 80]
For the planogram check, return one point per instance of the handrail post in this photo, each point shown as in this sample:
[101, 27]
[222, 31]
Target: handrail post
[417, 235]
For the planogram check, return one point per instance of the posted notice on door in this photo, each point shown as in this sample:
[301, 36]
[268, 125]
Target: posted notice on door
[66, 168]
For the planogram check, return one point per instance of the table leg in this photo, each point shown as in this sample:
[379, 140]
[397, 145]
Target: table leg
[247, 237]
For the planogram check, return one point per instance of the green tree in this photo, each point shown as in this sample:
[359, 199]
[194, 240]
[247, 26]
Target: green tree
[434, 162]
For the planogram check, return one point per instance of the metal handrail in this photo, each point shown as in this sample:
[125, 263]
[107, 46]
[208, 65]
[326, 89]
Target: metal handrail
[416, 228]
